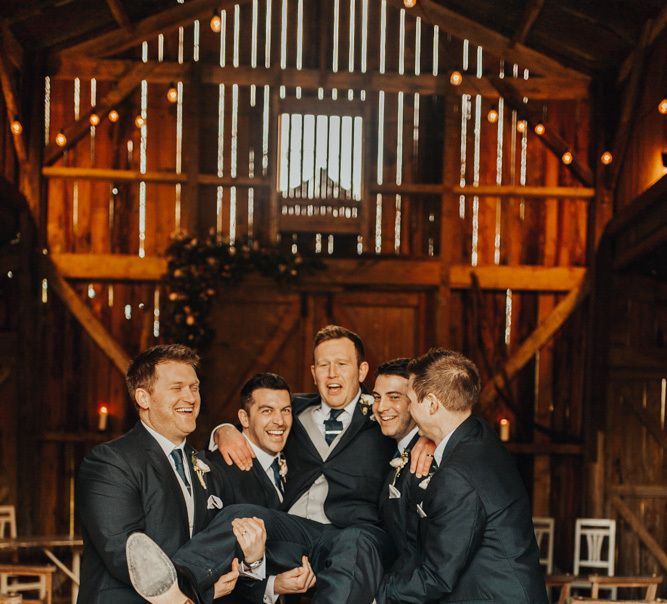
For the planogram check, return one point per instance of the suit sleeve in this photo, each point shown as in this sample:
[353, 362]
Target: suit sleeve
[110, 507]
[454, 528]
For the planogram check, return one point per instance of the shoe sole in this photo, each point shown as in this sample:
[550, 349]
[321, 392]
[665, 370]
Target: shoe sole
[151, 572]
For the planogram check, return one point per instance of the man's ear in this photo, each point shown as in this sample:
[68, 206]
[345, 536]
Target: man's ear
[142, 399]
[433, 403]
[243, 418]
[312, 372]
[363, 371]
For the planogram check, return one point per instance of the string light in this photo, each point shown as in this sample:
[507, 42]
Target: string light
[113, 116]
[540, 129]
[492, 116]
[606, 158]
[139, 121]
[16, 126]
[567, 158]
[522, 126]
[216, 23]
[94, 119]
[662, 107]
[61, 139]
[409, 3]
[455, 79]
[172, 93]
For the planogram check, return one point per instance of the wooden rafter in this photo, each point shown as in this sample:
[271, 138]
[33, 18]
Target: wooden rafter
[81, 127]
[12, 103]
[536, 340]
[12, 47]
[651, 31]
[647, 421]
[120, 14]
[550, 138]
[538, 88]
[530, 14]
[457, 25]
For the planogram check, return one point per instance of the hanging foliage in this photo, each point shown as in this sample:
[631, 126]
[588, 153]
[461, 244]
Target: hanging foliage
[198, 270]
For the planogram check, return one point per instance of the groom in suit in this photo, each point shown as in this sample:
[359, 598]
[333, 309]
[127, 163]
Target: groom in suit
[149, 480]
[475, 537]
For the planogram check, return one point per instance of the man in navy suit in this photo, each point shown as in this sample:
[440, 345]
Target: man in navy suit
[150, 480]
[475, 538]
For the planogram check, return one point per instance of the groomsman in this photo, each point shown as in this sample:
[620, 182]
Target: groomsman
[266, 419]
[147, 480]
[475, 535]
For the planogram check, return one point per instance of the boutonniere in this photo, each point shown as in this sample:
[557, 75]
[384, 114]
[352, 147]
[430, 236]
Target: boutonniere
[366, 403]
[200, 469]
[282, 466]
[399, 463]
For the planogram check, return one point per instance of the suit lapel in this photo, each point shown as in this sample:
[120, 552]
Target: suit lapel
[462, 432]
[200, 495]
[266, 484]
[309, 425]
[359, 421]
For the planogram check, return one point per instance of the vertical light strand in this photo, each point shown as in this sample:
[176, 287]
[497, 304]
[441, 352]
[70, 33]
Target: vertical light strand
[299, 42]
[523, 170]
[383, 34]
[195, 41]
[364, 35]
[266, 109]
[110, 295]
[663, 402]
[465, 117]
[334, 44]
[380, 147]
[378, 223]
[181, 44]
[499, 178]
[160, 48]
[156, 312]
[508, 316]
[142, 156]
[93, 102]
[47, 109]
[350, 56]
[283, 42]
[223, 38]
[399, 173]
[220, 159]
[436, 49]
[251, 194]
[476, 164]
[267, 35]
[179, 153]
[233, 161]
[415, 102]
[237, 32]
[45, 291]
[401, 42]
[75, 184]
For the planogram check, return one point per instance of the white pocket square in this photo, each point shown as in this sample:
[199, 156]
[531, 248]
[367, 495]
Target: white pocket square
[214, 503]
[394, 493]
[420, 510]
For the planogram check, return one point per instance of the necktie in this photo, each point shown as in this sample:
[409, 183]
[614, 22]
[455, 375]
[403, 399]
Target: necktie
[177, 456]
[275, 466]
[332, 426]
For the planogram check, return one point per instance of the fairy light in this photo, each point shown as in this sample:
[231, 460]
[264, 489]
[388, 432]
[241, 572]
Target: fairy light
[61, 139]
[522, 126]
[606, 158]
[16, 126]
[215, 23]
[567, 158]
[540, 129]
[492, 116]
[456, 79]
[94, 119]
[172, 93]
[139, 121]
[662, 106]
[113, 116]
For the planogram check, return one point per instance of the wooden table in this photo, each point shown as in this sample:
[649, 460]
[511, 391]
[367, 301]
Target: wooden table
[48, 543]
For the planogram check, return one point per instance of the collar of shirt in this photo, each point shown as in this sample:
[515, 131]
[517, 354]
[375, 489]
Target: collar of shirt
[440, 449]
[165, 444]
[405, 441]
[264, 458]
[348, 409]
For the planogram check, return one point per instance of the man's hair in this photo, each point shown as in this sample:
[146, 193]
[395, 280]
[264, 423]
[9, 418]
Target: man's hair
[336, 332]
[271, 381]
[450, 376]
[141, 372]
[395, 367]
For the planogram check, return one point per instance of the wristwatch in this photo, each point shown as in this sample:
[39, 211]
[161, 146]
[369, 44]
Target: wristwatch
[253, 565]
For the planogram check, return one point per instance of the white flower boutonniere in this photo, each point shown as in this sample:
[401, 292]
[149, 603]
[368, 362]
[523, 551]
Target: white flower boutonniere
[366, 403]
[282, 466]
[200, 469]
[399, 463]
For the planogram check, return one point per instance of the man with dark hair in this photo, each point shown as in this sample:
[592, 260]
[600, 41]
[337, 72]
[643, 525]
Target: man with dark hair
[150, 480]
[475, 533]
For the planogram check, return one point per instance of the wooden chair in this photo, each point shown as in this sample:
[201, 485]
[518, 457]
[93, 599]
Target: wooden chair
[599, 535]
[577, 599]
[22, 578]
[649, 583]
[544, 535]
[563, 582]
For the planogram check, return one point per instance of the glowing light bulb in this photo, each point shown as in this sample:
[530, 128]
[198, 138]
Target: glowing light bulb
[606, 158]
[94, 119]
[216, 23]
[139, 121]
[540, 129]
[409, 3]
[492, 116]
[567, 158]
[16, 126]
[522, 126]
[172, 93]
[113, 116]
[662, 107]
[61, 139]
[455, 79]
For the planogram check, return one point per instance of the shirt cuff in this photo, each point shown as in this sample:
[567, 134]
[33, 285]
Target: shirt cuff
[212, 446]
[270, 597]
[259, 573]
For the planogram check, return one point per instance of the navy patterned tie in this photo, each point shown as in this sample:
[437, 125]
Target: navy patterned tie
[177, 456]
[333, 426]
[275, 466]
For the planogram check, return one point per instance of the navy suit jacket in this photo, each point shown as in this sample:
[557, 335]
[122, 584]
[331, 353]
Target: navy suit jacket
[476, 541]
[124, 486]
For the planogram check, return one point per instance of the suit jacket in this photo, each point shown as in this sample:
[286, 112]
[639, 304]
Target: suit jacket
[355, 469]
[476, 541]
[124, 486]
[398, 514]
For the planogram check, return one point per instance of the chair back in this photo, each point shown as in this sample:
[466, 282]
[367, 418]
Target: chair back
[7, 522]
[544, 535]
[594, 544]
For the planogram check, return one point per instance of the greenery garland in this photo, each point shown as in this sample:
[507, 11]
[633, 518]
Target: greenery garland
[198, 269]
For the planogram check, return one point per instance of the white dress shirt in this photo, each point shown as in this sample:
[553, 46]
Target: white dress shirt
[440, 449]
[405, 441]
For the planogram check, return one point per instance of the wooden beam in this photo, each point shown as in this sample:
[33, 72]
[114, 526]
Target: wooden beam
[12, 48]
[654, 29]
[81, 127]
[641, 491]
[85, 316]
[530, 14]
[536, 340]
[640, 530]
[545, 448]
[579, 167]
[536, 88]
[120, 14]
[13, 106]
[163, 22]
[459, 26]
[486, 191]
[648, 421]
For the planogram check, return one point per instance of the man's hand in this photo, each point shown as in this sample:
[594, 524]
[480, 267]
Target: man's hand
[226, 583]
[421, 456]
[251, 535]
[233, 447]
[296, 581]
